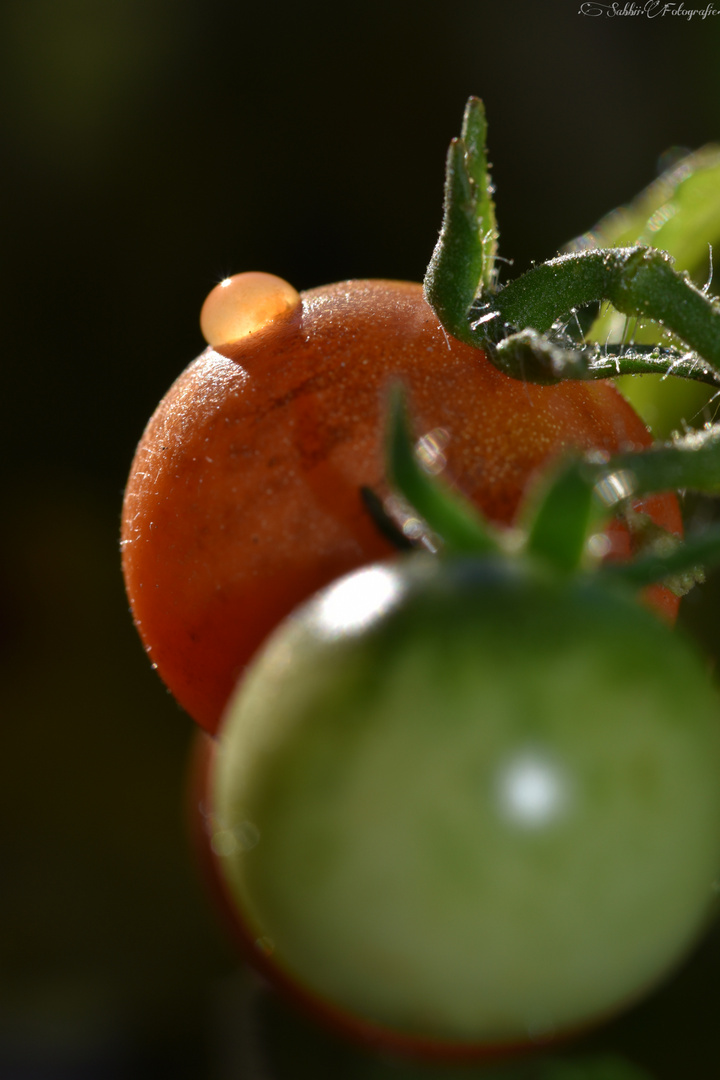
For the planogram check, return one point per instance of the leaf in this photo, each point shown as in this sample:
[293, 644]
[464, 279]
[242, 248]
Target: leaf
[680, 214]
[559, 515]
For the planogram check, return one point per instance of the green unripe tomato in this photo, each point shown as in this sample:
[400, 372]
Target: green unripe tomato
[469, 803]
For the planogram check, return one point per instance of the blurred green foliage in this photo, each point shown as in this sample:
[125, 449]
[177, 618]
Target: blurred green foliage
[679, 213]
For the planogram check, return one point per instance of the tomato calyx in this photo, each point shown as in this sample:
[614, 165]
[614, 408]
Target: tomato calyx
[564, 513]
[534, 327]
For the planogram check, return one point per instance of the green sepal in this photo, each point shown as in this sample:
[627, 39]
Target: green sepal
[559, 515]
[579, 495]
[639, 281]
[689, 463]
[533, 358]
[449, 515]
[680, 567]
[463, 262]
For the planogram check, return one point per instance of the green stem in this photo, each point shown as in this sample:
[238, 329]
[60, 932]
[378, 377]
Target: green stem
[650, 360]
[638, 281]
[530, 356]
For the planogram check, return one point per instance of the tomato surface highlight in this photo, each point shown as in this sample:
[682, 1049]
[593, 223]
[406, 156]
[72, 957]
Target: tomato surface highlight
[244, 495]
[467, 804]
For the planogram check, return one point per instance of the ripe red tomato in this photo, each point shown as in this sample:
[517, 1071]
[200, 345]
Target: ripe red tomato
[244, 495]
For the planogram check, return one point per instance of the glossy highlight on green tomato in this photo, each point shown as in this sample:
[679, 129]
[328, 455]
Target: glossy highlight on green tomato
[466, 804]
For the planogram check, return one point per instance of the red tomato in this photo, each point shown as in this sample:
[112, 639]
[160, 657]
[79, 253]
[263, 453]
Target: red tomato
[245, 493]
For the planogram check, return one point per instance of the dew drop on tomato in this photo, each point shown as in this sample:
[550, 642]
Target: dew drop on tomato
[242, 304]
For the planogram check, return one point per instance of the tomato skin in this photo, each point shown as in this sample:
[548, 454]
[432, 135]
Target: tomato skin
[243, 498]
[483, 808]
[202, 829]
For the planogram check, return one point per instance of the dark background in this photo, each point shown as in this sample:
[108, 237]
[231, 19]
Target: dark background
[149, 148]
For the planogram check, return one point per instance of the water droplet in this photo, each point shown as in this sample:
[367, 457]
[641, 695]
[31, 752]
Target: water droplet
[243, 304]
[413, 528]
[430, 450]
[615, 487]
[598, 545]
